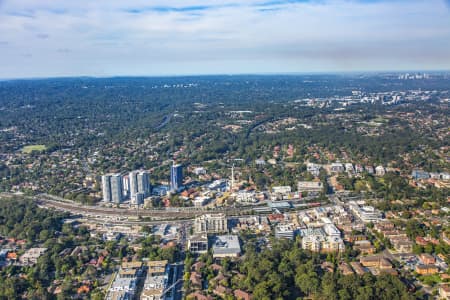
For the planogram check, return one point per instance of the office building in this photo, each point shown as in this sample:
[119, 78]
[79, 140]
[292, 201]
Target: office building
[310, 186]
[176, 177]
[281, 189]
[198, 244]
[226, 246]
[285, 231]
[211, 223]
[112, 186]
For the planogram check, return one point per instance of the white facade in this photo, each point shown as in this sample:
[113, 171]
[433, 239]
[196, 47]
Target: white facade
[211, 223]
[309, 186]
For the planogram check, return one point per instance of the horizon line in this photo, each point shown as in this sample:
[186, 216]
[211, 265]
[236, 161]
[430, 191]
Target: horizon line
[362, 72]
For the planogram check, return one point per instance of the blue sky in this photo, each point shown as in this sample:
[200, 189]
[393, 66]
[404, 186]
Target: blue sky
[46, 38]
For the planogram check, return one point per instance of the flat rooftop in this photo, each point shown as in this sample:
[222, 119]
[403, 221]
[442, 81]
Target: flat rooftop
[226, 244]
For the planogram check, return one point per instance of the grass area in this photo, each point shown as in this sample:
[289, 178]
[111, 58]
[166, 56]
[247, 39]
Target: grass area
[430, 279]
[30, 148]
[380, 119]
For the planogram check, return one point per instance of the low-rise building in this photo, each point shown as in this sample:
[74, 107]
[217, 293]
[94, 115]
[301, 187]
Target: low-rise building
[375, 261]
[426, 269]
[345, 269]
[365, 247]
[366, 213]
[226, 246]
[380, 171]
[402, 245]
[246, 197]
[419, 174]
[155, 280]
[242, 295]
[124, 285]
[285, 231]
[31, 256]
[359, 269]
[309, 186]
[198, 244]
[322, 243]
[427, 259]
[281, 189]
[444, 291]
[337, 168]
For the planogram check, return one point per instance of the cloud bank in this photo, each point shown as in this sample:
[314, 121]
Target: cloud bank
[106, 38]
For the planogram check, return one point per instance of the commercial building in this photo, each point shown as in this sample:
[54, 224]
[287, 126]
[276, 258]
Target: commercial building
[176, 177]
[281, 189]
[112, 187]
[285, 231]
[245, 197]
[365, 213]
[211, 223]
[200, 201]
[198, 244]
[309, 186]
[226, 246]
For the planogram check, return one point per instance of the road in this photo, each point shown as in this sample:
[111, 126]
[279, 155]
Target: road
[175, 282]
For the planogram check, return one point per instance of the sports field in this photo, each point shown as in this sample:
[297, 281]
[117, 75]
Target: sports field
[30, 148]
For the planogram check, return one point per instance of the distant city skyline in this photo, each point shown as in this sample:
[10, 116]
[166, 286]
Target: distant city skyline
[195, 37]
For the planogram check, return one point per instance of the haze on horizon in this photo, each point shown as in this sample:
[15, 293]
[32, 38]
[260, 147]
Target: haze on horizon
[48, 38]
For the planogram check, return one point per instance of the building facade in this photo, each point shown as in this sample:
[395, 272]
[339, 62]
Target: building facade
[176, 177]
[211, 223]
[112, 187]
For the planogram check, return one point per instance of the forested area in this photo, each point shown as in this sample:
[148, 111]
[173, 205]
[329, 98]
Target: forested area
[90, 126]
[285, 271]
[22, 219]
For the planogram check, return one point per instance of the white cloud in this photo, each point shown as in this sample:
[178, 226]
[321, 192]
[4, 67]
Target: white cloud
[104, 38]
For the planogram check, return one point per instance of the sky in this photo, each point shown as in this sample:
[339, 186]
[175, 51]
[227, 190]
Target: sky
[51, 38]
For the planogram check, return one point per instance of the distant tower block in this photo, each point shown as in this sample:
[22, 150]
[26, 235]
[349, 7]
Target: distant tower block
[176, 177]
[112, 187]
[232, 178]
